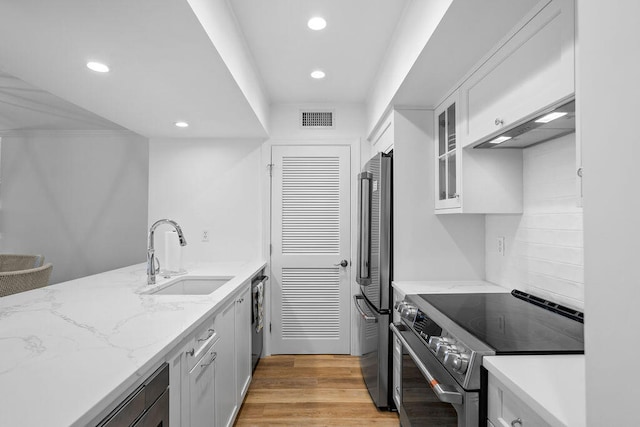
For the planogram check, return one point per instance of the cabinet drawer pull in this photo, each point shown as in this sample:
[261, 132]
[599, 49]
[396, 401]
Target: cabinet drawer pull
[516, 422]
[499, 122]
[209, 335]
[191, 352]
[579, 172]
[214, 355]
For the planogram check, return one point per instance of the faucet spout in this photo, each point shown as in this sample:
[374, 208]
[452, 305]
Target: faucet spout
[151, 258]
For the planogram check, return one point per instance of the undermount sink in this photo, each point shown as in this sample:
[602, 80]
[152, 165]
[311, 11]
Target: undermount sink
[192, 286]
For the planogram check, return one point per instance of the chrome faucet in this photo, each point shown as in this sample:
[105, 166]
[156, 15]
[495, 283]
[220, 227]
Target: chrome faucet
[151, 252]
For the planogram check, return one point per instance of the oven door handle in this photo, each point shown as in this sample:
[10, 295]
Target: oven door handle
[368, 319]
[445, 393]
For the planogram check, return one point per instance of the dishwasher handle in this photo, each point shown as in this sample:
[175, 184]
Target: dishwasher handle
[445, 393]
[367, 318]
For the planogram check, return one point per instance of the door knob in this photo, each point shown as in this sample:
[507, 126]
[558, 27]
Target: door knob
[342, 263]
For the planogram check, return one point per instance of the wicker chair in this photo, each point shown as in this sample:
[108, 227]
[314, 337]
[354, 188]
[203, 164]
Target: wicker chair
[15, 262]
[19, 273]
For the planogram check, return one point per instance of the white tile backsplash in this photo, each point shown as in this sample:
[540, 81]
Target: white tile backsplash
[544, 246]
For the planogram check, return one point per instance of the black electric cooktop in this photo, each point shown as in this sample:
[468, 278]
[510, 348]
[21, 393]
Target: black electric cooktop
[511, 325]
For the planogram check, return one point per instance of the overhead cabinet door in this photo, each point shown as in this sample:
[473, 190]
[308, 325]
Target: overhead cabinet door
[532, 70]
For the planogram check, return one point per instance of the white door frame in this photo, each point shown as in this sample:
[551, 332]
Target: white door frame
[356, 165]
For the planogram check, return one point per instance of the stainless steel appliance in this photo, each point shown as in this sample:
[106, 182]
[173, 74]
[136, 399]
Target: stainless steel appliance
[146, 406]
[374, 274]
[257, 318]
[544, 125]
[445, 336]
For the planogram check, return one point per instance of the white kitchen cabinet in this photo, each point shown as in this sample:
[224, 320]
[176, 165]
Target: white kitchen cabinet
[202, 390]
[531, 69]
[382, 137]
[473, 180]
[177, 387]
[243, 343]
[226, 385]
[505, 409]
[397, 370]
[182, 365]
[209, 394]
[447, 154]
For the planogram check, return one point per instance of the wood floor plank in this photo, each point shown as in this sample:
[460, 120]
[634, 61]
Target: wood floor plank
[310, 390]
[304, 395]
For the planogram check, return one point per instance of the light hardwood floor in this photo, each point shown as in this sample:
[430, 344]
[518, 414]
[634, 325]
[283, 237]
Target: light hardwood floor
[310, 390]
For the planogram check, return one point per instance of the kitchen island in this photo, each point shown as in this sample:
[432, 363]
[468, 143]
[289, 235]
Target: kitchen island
[70, 350]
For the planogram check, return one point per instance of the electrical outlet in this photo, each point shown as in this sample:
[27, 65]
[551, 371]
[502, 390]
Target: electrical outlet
[205, 235]
[501, 249]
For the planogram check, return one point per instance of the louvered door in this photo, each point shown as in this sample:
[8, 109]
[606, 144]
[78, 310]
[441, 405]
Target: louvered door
[310, 237]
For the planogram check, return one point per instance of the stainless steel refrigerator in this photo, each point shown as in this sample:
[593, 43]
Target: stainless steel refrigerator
[374, 275]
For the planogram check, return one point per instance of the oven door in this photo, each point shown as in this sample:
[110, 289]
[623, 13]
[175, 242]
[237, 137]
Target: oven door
[429, 395]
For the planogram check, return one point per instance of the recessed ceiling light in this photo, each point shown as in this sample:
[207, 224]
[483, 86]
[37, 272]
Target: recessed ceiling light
[317, 23]
[182, 124]
[318, 74]
[551, 116]
[98, 67]
[500, 140]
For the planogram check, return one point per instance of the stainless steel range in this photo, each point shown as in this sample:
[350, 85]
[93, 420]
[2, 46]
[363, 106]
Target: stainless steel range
[445, 336]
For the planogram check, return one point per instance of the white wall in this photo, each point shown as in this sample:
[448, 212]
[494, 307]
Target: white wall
[213, 185]
[428, 246]
[608, 105]
[544, 246]
[78, 198]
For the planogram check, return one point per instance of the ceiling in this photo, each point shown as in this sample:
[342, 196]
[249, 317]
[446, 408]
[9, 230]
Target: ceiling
[164, 66]
[25, 107]
[349, 50]
[220, 64]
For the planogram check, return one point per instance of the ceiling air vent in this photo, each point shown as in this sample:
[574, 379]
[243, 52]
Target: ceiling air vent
[316, 119]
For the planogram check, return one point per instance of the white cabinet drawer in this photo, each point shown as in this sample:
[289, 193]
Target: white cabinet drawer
[204, 336]
[505, 409]
[397, 370]
[532, 70]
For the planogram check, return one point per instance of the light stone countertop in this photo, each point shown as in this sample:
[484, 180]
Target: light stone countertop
[404, 287]
[552, 385]
[69, 350]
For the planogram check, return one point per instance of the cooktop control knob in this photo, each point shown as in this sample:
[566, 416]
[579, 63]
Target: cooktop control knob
[459, 362]
[408, 312]
[433, 342]
[402, 305]
[443, 348]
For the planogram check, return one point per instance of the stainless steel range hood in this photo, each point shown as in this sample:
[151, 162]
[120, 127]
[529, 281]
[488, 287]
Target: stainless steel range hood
[548, 124]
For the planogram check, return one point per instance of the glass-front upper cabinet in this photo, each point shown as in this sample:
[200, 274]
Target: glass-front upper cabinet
[447, 156]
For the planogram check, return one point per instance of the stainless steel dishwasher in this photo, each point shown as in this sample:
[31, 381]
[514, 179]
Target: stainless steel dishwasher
[146, 406]
[257, 317]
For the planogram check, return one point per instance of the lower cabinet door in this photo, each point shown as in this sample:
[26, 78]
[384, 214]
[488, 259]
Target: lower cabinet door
[202, 390]
[397, 372]
[243, 343]
[226, 367]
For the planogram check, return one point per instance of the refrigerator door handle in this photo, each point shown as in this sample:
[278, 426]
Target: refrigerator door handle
[363, 276]
[367, 318]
